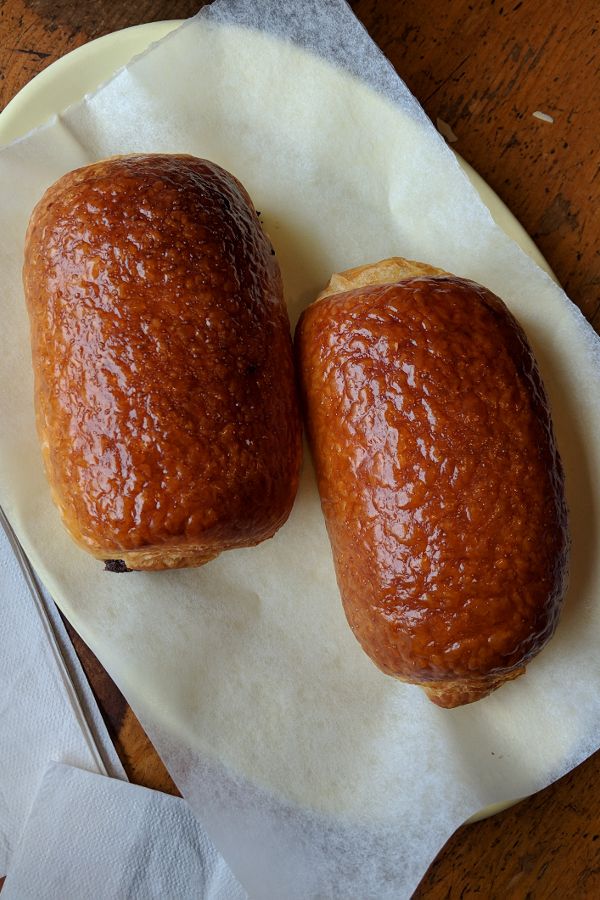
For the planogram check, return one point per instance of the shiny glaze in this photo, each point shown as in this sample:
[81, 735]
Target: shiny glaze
[440, 480]
[164, 377]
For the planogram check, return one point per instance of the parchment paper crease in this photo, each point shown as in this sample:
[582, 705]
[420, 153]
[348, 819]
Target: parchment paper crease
[315, 774]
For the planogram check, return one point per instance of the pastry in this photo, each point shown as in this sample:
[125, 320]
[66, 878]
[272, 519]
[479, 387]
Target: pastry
[164, 384]
[440, 479]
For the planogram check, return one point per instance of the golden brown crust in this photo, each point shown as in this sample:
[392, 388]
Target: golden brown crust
[439, 476]
[165, 395]
[386, 271]
[450, 694]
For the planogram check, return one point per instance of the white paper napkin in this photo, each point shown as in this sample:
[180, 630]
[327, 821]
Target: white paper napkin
[47, 711]
[95, 838]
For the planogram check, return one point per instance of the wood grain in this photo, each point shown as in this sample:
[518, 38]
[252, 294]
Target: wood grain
[138, 757]
[483, 68]
[547, 846]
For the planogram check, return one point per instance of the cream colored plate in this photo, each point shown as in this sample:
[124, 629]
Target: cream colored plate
[84, 69]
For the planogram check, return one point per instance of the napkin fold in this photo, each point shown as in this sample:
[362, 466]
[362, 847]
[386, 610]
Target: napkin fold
[47, 710]
[95, 838]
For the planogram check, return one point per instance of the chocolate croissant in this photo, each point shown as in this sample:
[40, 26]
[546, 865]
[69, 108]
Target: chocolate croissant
[439, 475]
[164, 384]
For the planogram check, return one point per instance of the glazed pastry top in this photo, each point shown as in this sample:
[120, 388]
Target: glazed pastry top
[164, 378]
[439, 476]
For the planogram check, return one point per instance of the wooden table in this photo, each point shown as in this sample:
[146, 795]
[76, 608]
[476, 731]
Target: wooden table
[483, 68]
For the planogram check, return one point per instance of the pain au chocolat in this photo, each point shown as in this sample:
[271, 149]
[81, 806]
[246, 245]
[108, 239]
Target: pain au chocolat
[164, 383]
[439, 475]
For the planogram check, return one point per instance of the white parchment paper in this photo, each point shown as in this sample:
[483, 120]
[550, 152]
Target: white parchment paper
[314, 774]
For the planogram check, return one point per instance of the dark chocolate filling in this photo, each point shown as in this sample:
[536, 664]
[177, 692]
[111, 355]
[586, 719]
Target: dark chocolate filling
[115, 565]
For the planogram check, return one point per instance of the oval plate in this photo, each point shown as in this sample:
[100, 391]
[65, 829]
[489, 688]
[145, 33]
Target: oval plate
[81, 71]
